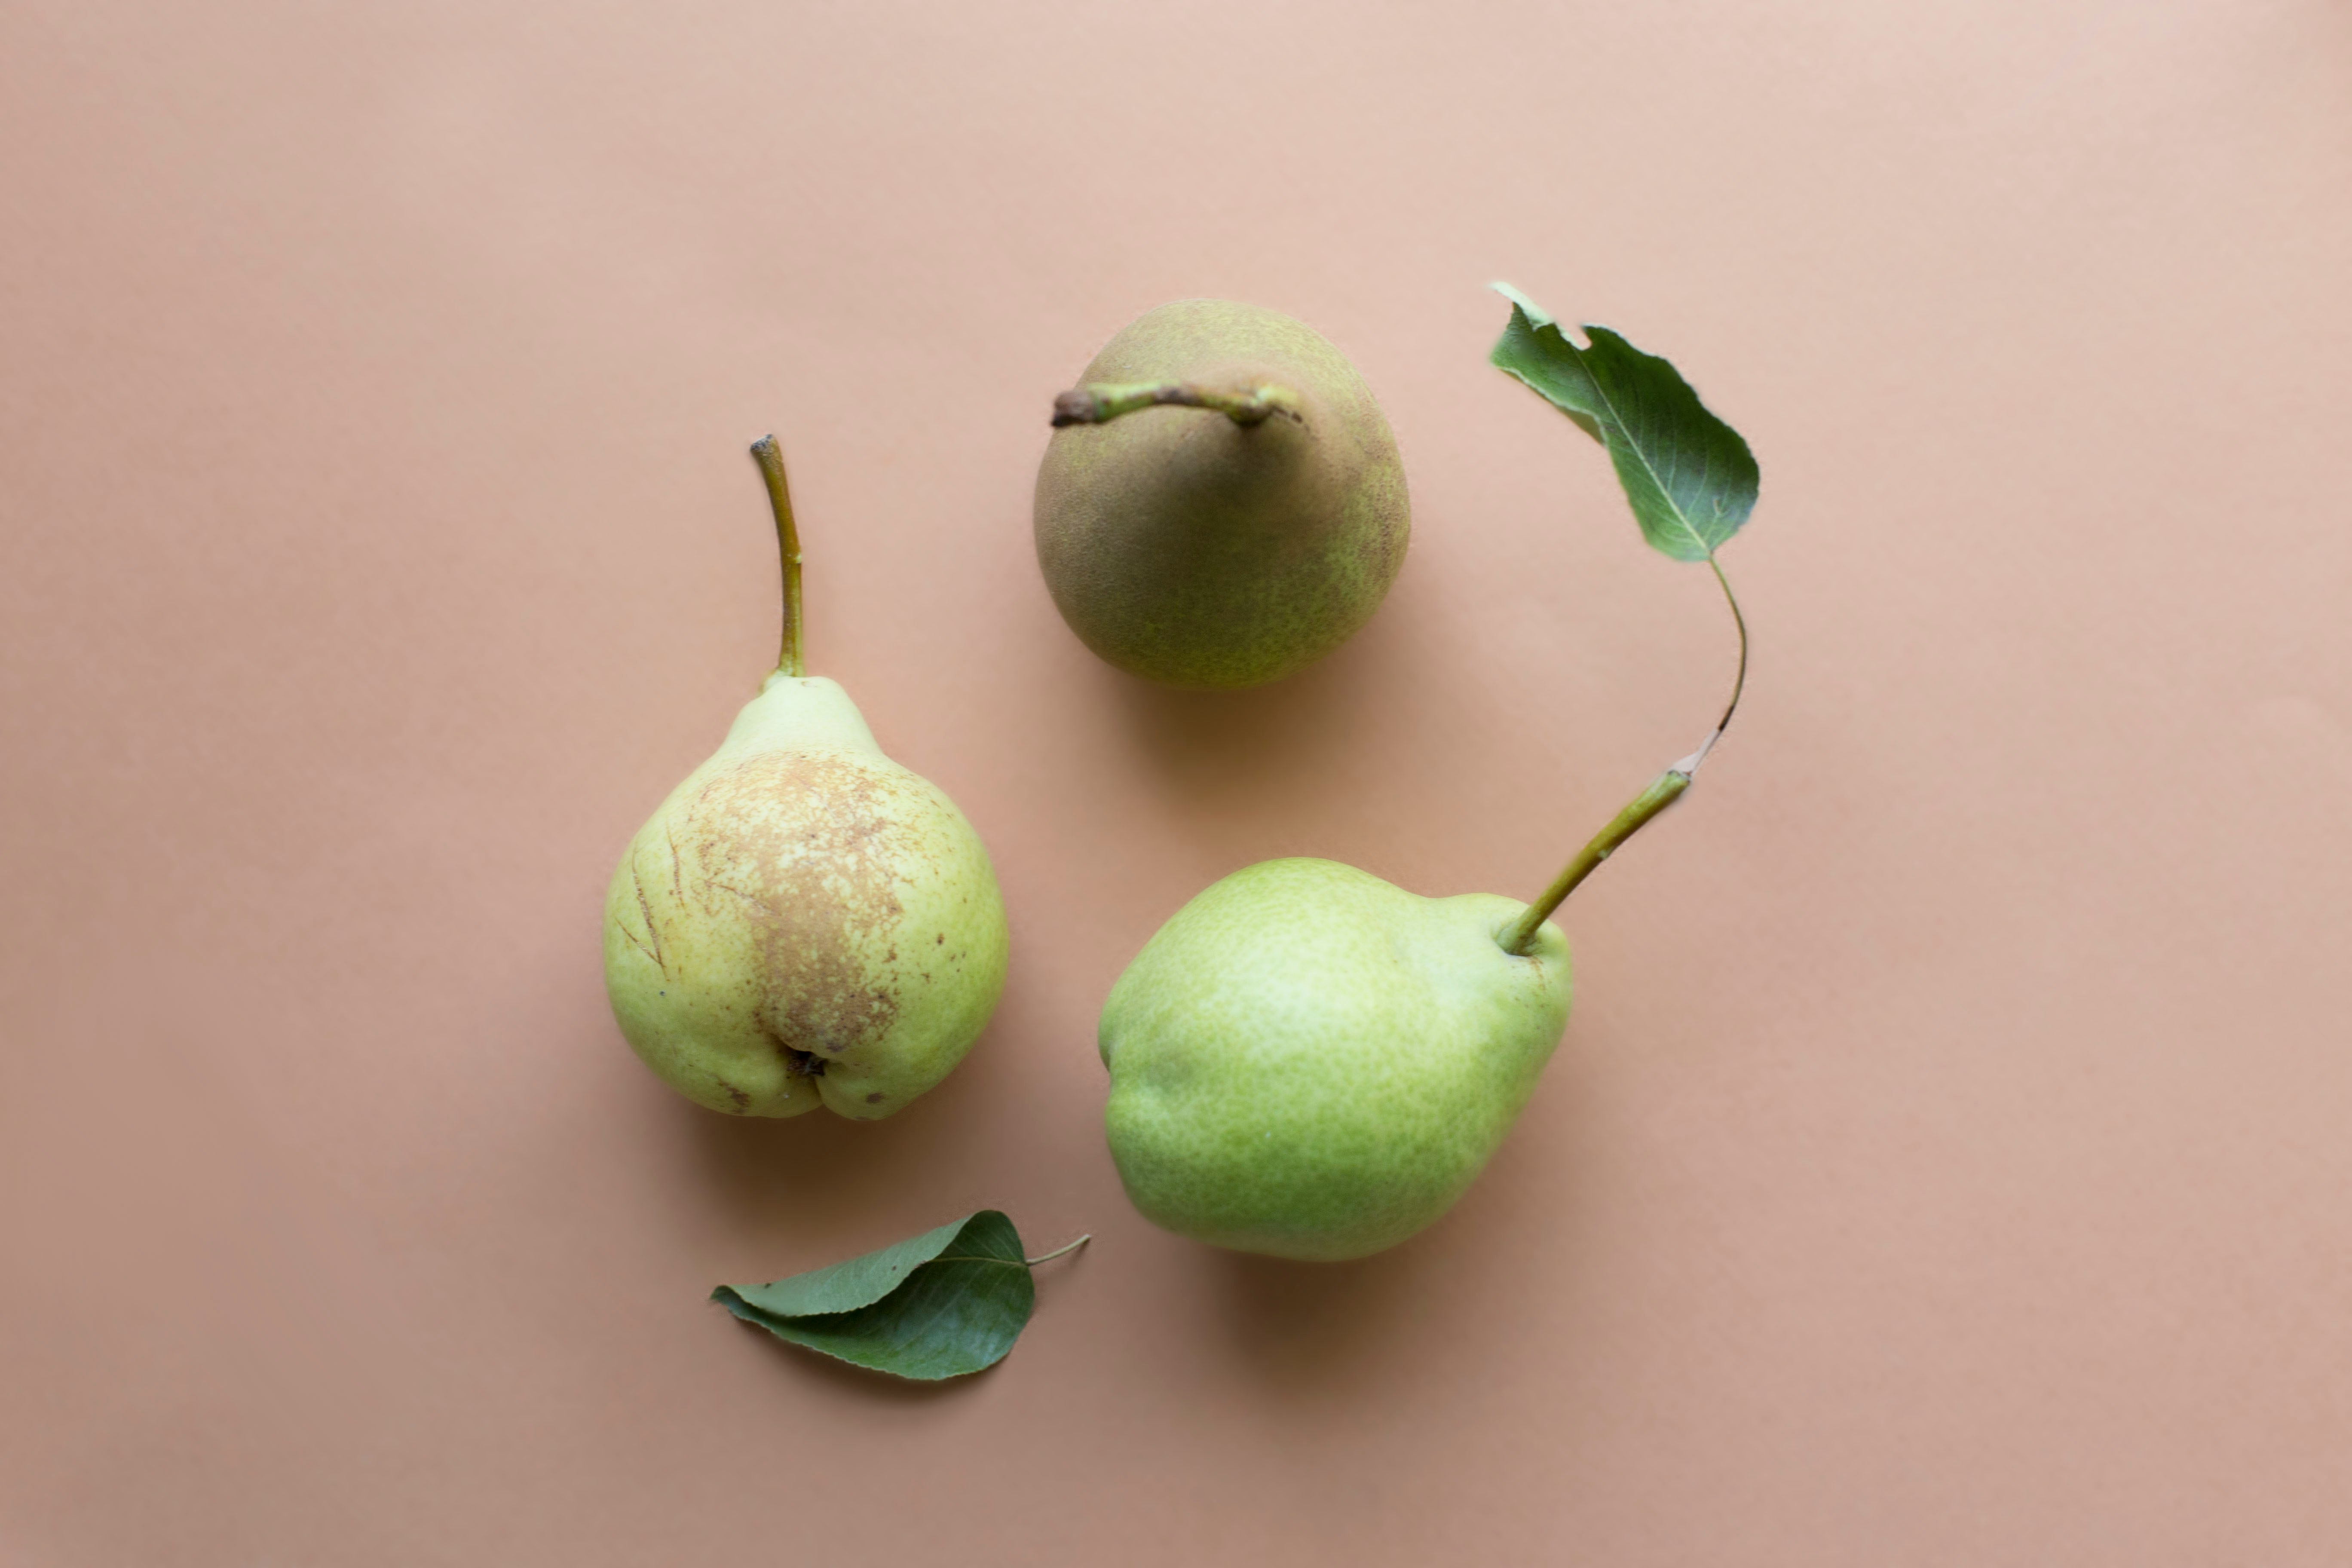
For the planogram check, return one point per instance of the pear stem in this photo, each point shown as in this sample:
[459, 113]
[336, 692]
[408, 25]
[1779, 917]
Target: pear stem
[1099, 402]
[1663, 792]
[1057, 1252]
[788, 545]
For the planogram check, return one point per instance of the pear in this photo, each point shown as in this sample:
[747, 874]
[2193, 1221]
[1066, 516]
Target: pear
[804, 922]
[1221, 504]
[1311, 1062]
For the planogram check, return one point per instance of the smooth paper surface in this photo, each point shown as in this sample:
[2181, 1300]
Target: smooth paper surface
[1947, 1165]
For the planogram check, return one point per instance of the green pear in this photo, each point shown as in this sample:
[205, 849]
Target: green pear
[804, 922]
[1221, 504]
[1311, 1062]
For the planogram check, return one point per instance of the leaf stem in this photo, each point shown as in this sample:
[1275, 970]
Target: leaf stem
[1739, 681]
[1520, 936]
[788, 546]
[1057, 1252]
[1099, 402]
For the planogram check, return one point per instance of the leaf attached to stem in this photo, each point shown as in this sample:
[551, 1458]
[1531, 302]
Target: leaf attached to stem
[1689, 477]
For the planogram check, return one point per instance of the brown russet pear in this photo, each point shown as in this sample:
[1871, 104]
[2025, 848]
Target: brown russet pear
[1222, 502]
[804, 922]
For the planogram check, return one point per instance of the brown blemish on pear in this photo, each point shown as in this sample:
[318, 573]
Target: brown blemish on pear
[797, 838]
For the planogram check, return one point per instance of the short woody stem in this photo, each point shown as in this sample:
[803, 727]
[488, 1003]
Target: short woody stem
[788, 545]
[1099, 402]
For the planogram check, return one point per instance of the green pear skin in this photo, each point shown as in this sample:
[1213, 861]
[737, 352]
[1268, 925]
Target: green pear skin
[804, 922]
[1192, 550]
[1313, 1063]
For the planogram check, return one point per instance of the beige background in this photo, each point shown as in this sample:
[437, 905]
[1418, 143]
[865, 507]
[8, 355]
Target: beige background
[1948, 1162]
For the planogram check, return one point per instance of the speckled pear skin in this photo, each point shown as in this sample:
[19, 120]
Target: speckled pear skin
[1192, 550]
[801, 902]
[1310, 1062]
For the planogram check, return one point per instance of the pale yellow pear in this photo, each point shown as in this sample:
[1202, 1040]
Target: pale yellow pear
[804, 922]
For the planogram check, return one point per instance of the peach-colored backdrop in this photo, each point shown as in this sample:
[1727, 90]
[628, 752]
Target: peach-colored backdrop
[1950, 1159]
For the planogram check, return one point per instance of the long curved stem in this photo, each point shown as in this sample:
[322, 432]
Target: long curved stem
[788, 545]
[1663, 792]
[1739, 681]
[1057, 1252]
[1099, 402]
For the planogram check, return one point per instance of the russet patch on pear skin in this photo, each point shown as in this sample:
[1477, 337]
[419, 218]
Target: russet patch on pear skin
[801, 842]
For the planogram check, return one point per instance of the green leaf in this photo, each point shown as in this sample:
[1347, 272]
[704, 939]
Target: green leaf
[1689, 477]
[948, 1301]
